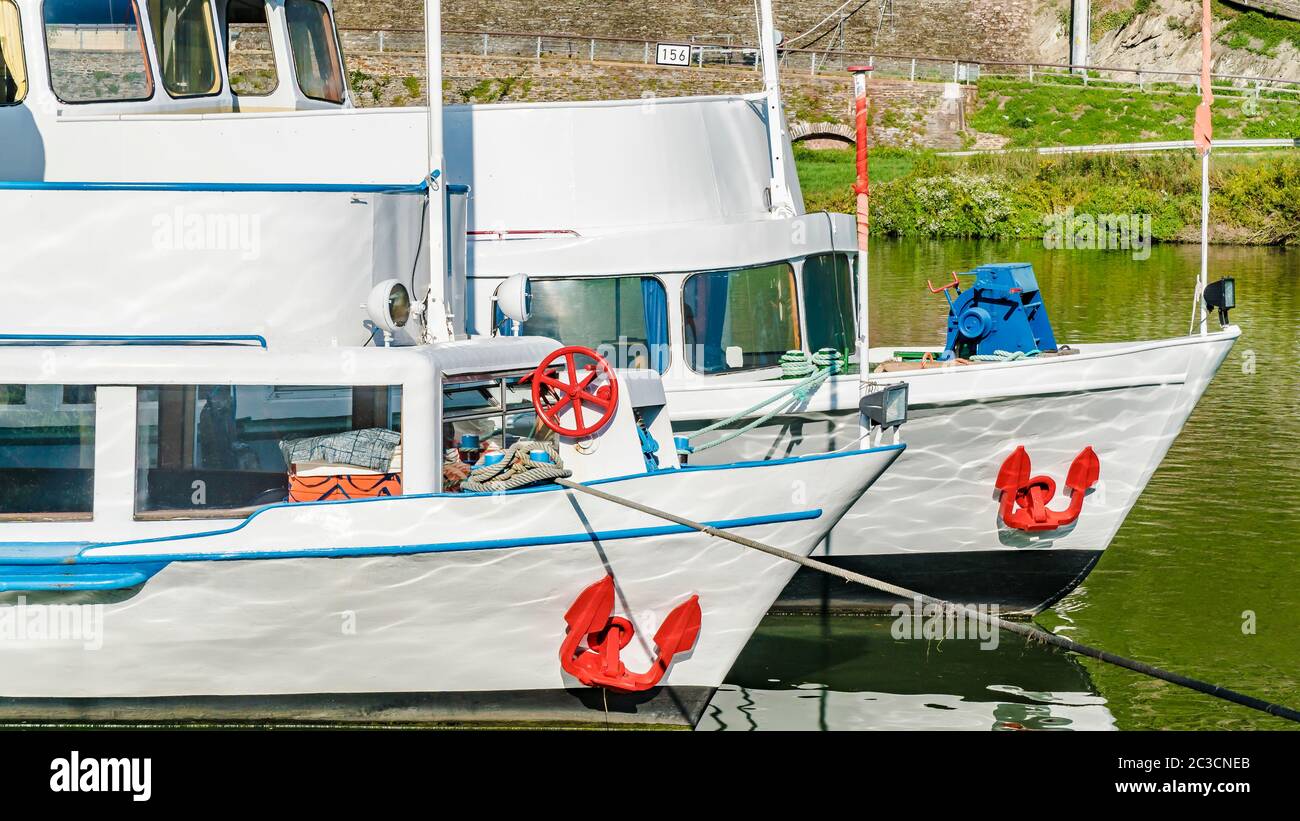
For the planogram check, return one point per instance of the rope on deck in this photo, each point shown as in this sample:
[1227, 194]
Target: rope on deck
[1029, 631]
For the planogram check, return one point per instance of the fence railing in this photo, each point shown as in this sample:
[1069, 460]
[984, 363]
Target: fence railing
[810, 62]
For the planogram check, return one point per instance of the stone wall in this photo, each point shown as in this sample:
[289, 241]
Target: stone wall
[1281, 8]
[904, 113]
[992, 29]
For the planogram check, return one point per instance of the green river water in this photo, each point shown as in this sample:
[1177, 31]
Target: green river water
[1203, 577]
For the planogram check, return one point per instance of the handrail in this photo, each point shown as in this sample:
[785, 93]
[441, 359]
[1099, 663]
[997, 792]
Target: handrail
[121, 339]
[841, 54]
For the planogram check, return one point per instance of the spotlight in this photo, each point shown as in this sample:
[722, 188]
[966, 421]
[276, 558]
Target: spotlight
[1222, 295]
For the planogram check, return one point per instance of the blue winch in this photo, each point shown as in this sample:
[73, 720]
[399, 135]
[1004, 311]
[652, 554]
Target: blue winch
[1002, 311]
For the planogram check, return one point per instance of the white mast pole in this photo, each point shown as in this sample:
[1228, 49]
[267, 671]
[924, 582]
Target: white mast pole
[782, 204]
[437, 315]
[1203, 134]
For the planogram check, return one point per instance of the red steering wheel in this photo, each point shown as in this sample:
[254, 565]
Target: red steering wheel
[578, 388]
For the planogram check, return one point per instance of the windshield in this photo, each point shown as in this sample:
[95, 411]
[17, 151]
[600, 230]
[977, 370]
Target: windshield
[741, 319]
[624, 319]
[829, 303]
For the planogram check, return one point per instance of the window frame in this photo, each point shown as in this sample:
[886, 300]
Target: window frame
[338, 51]
[144, 50]
[795, 278]
[22, 55]
[91, 410]
[270, 36]
[658, 278]
[216, 58]
[142, 506]
[800, 268]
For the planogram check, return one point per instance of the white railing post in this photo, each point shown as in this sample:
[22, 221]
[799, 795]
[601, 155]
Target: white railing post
[592, 55]
[485, 45]
[539, 48]
[381, 41]
[645, 56]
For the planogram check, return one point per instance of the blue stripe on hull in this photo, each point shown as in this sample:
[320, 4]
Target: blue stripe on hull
[29, 571]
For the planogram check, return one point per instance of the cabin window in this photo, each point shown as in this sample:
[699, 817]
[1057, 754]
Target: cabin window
[13, 67]
[96, 51]
[212, 451]
[250, 57]
[829, 304]
[315, 50]
[47, 454]
[185, 41]
[741, 319]
[625, 319]
[13, 394]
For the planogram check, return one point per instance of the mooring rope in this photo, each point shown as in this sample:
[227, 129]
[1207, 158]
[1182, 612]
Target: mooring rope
[794, 364]
[1029, 631]
[517, 469]
[1005, 356]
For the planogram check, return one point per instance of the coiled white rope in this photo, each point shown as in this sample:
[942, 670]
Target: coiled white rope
[518, 469]
[1005, 356]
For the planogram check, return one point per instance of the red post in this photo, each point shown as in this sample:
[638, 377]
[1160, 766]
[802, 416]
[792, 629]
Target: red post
[862, 188]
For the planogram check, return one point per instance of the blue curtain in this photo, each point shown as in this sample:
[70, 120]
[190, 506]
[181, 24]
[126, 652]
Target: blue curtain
[716, 290]
[655, 299]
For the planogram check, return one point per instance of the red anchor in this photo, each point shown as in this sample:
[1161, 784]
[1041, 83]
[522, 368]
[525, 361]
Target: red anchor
[1025, 498]
[598, 664]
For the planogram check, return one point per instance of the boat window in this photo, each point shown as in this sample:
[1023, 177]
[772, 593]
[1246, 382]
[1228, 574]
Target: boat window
[186, 44]
[207, 451]
[47, 454]
[96, 51]
[482, 412]
[13, 68]
[829, 304]
[625, 319]
[741, 319]
[315, 50]
[250, 57]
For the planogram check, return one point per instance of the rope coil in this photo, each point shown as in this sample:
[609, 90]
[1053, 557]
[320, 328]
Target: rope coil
[1005, 356]
[518, 469]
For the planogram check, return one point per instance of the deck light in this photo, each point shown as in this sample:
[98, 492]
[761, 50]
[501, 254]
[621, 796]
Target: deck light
[389, 306]
[1221, 294]
[886, 406]
[515, 298]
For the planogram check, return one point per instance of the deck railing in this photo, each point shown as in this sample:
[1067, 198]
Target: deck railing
[810, 62]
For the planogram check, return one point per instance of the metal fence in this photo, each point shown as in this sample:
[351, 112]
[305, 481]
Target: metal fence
[810, 62]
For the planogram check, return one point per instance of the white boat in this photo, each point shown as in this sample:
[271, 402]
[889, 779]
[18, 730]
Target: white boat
[146, 578]
[620, 254]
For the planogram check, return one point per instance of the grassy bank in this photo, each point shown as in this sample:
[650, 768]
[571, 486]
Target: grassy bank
[1255, 198]
[1037, 114]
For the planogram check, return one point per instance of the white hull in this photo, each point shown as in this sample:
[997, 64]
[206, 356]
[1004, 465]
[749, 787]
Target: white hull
[933, 522]
[386, 609]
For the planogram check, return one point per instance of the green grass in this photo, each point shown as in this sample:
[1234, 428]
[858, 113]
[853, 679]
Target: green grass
[826, 174]
[1038, 114]
[1255, 196]
[1259, 33]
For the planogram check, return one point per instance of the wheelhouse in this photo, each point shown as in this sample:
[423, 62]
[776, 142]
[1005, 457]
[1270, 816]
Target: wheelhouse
[723, 303]
[89, 57]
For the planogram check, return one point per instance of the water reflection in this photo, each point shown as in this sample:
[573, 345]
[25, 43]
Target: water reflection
[848, 673]
[1215, 537]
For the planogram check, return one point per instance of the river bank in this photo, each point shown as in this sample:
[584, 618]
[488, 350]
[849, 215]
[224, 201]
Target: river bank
[1255, 196]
